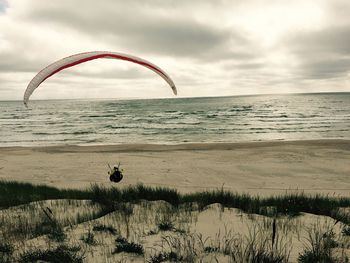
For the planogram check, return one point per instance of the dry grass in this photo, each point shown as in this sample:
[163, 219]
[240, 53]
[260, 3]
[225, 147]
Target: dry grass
[180, 231]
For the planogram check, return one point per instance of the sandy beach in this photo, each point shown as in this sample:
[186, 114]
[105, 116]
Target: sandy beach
[214, 233]
[264, 168]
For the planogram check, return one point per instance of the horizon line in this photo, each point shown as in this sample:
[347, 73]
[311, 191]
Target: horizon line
[189, 97]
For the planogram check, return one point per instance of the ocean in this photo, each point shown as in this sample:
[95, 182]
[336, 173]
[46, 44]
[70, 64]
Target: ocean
[179, 120]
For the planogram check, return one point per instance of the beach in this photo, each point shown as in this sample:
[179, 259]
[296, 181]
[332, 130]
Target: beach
[261, 168]
[149, 131]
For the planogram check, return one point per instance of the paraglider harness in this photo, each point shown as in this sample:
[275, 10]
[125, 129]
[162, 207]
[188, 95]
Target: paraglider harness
[115, 174]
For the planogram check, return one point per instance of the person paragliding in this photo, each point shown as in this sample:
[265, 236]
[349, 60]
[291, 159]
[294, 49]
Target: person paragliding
[115, 174]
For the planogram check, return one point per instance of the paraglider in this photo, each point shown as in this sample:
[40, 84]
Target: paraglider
[76, 59]
[115, 174]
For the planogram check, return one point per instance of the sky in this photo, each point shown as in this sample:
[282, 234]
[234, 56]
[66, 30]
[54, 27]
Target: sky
[208, 47]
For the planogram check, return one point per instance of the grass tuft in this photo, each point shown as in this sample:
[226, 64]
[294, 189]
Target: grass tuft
[210, 249]
[346, 231]
[6, 250]
[162, 257]
[89, 238]
[51, 227]
[57, 255]
[57, 234]
[123, 245]
[319, 245]
[104, 228]
[166, 226]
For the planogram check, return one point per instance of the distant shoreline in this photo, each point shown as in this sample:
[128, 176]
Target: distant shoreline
[179, 97]
[140, 147]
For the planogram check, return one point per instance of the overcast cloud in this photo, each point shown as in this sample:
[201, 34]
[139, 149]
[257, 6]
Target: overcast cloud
[209, 48]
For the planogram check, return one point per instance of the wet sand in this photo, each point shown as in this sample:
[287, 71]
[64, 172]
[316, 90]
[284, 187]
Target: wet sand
[264, 168]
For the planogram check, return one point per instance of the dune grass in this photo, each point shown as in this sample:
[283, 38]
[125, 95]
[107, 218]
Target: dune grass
[346, 231]
[6, 250]
[106, 229]
[320, 245]
[289, 204]
[123, 245]
[267, 240]
[59, 255]
[15, 193]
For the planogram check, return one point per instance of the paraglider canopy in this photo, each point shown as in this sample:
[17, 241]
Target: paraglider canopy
[76, 59]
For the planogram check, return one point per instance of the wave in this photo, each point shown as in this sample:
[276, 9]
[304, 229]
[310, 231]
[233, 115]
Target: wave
[201, 119]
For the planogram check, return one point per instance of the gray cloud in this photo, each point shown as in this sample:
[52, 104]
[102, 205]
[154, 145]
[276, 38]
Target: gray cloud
[13, 62]
[322, 54]
[142, 27]
[330, 41]
[325, 68]
[215, 45]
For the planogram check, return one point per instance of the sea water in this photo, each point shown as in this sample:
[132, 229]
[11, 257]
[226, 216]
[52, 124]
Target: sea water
[178, 120]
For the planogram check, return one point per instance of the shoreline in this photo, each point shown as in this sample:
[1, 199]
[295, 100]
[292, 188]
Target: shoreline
[261, 168]
[123, 147]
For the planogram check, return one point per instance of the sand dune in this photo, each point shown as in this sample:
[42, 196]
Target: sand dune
[228, 230]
